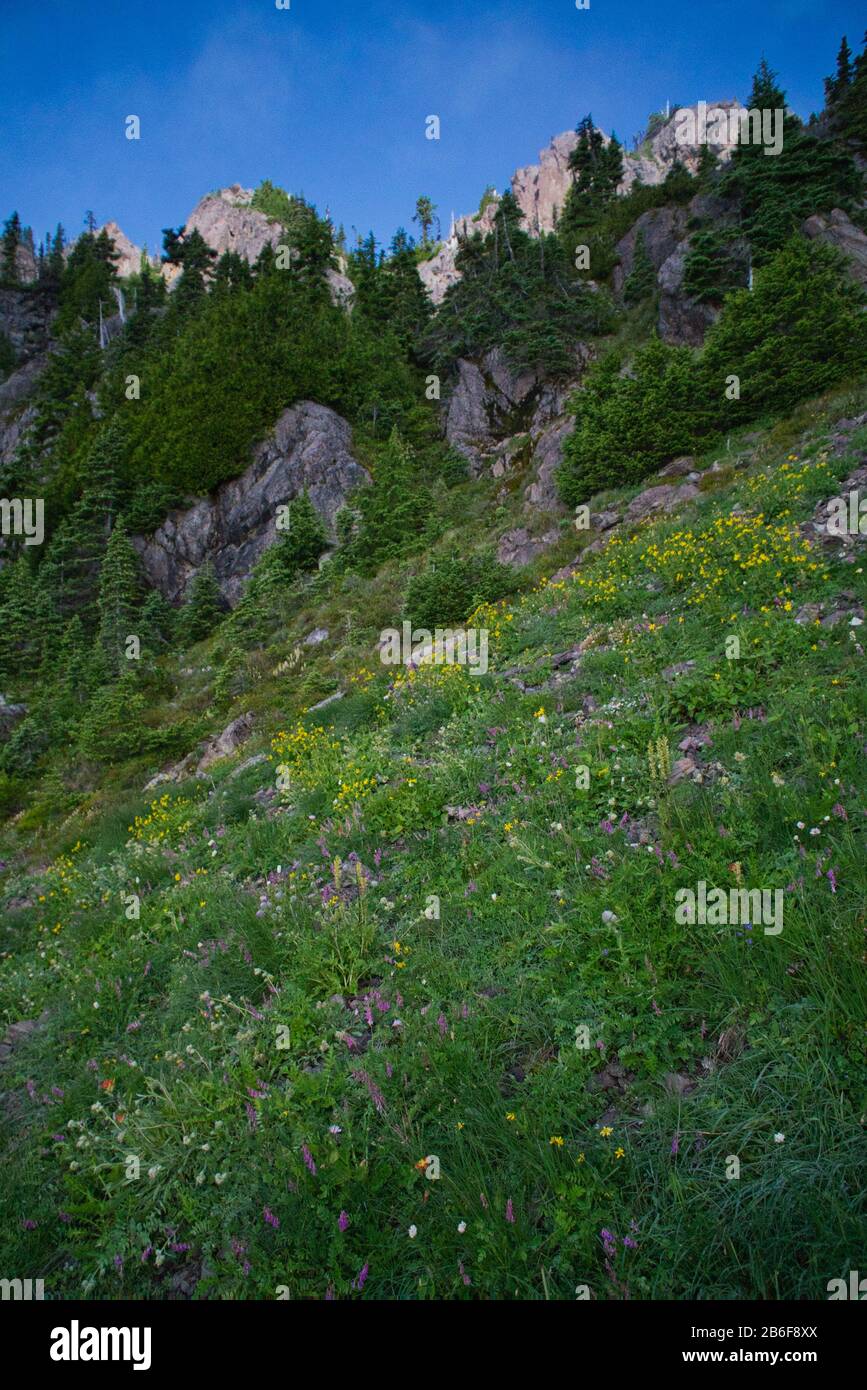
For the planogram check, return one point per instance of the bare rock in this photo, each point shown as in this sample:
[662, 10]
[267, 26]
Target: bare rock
[836, 229]
[518, 548]
[309, 448]
[225, 743]
[541, 189]
[10, 715]
[678, 468]
[663, 230]
[329, 700]
[488, 402]
[680, 668]
[660, 499]
[682, 320]
[129, 255]
[25, 319]
[176, 773]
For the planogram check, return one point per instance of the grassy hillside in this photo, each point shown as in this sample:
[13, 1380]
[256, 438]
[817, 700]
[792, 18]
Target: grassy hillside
[394, 1002]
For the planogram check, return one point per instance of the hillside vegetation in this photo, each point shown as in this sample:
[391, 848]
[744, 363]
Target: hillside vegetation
[395, 999]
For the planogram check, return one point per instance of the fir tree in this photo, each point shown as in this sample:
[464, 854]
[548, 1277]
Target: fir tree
[156, 624]
[425, 215]
[119, 598]
[777, 193]
[190, 251]
[9, 243]
[203, 608]
[641, 280]
[394, 510]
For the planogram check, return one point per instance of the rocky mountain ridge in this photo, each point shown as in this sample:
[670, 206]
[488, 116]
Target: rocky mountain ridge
[540, 189]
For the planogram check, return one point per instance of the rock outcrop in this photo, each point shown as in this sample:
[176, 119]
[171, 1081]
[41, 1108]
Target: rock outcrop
[497, 417]
[682, 320]
[10, 715]
[227, 742]
[25, 319]
[486, 405]
[308, 448]
[128, 254]
[541, 189]
[227, 222]
[836, 229]
[518, 548]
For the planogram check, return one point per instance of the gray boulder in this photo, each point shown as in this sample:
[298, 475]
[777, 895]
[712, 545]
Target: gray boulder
[659, 499]
[518, 548]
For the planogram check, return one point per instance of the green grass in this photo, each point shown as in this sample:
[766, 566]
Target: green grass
[272, 1011]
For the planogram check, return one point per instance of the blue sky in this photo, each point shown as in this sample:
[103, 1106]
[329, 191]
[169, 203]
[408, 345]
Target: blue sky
[329, 98]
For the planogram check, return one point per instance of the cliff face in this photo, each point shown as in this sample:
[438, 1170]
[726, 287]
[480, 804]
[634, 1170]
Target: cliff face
[541, 189]
[227, 222]
[309, 448]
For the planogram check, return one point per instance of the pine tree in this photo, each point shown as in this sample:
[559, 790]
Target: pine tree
[156, 624]
[191, 252]
[119, 598]
[9, 243]
[203, 608]
[394, 510]
[641, 280]
[20, 645]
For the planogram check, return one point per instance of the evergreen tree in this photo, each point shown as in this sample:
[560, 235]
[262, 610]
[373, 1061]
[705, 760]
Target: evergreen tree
[119, 598]
[190, 251]
[848, 107]
[395, 509]
[597, 168]
[20, 644]
[149, 291]
[836, 87]
[87, 281]
[232, 274]
[9, 243]
[777, 193]
[114, 725]
[714, 264]
[156, 624]
[708, 165]
[641, 280]
[203, 608]
[425, 215]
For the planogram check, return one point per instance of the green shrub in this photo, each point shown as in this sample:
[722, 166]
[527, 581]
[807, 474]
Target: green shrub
[451, 587]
